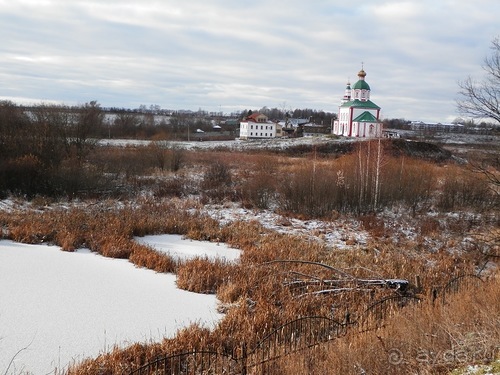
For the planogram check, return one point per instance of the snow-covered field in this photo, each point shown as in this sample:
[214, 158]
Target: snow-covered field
[281, 143]
[237, 144]
[64, 307]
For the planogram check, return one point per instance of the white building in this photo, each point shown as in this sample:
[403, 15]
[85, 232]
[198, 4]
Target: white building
[436, 127]
[358, 116]
[257, 126]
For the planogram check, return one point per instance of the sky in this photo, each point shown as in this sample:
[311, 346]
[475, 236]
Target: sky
[228, 56]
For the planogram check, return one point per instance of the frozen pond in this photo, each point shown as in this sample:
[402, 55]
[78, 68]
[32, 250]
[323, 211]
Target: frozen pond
[178, 247]
[65, 307]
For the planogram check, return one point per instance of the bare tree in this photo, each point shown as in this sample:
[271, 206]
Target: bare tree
[370, 163]
[14, 128]
[49, 139]
[89, 121]
[481, 99]
[181, 124]
[166, 155]
[126, 124]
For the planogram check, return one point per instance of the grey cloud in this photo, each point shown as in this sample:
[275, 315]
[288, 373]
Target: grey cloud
[192, 54]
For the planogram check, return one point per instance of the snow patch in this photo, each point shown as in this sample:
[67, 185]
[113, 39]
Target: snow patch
[179, 247]
[340, 234]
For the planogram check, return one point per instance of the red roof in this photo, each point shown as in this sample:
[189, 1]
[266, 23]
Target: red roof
[253, 117]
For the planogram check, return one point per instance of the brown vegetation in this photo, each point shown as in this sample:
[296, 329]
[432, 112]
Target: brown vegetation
[430, 339]
[257, 295]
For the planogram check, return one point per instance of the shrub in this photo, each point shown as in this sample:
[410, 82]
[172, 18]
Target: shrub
[312, 192]
[259, 190]
[165, 155]
[24, 175]
[374, 225]
[462, 188]
[217, 183]
[430, 227]
[171, 187]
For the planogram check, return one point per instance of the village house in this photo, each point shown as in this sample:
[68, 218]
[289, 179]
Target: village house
[315, 130]
[257, 126]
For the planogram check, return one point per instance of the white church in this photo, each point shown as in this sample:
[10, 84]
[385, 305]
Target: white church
[358, 116]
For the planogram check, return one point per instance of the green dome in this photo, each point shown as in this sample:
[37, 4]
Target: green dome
[361, 85]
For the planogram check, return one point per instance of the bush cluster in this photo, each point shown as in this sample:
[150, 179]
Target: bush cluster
[43, 151]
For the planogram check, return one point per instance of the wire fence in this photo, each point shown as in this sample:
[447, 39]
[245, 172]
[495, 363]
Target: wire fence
[294, 336]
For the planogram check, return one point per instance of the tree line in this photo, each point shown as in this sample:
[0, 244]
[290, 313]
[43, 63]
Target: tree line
[43, 149]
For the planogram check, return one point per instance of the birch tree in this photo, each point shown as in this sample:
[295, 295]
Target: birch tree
[378, 166]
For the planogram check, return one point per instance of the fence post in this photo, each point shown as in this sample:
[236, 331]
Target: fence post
[347, 318]
[244, 359]
[418, 283]
[434, 295]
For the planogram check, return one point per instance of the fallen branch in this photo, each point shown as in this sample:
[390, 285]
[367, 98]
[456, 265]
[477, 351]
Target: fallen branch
[311, 280]
[345, 274]
[333, 291]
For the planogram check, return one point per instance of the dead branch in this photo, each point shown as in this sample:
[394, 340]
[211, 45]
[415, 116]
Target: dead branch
[17, 353]
[334, 291]
[347, 283]
[312, 263]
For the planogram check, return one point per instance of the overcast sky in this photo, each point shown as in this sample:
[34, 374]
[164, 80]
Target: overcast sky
[231, 55]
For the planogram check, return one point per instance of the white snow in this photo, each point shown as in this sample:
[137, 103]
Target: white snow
[236, 144]
[335, 234]
[179, 247]
[69, 306]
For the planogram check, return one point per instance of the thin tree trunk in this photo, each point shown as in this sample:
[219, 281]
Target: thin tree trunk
[367, 176]
[361, 174]
[377, 174]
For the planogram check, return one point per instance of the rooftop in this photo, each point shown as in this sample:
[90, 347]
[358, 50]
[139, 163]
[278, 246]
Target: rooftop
[361, 104]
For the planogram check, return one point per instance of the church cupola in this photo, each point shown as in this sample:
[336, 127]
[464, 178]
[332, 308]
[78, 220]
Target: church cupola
[347, 93]
[361, 88]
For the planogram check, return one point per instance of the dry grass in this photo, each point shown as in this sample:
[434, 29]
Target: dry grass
[202, 275]
[144, 256]
[430, 339]
[253, 293]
